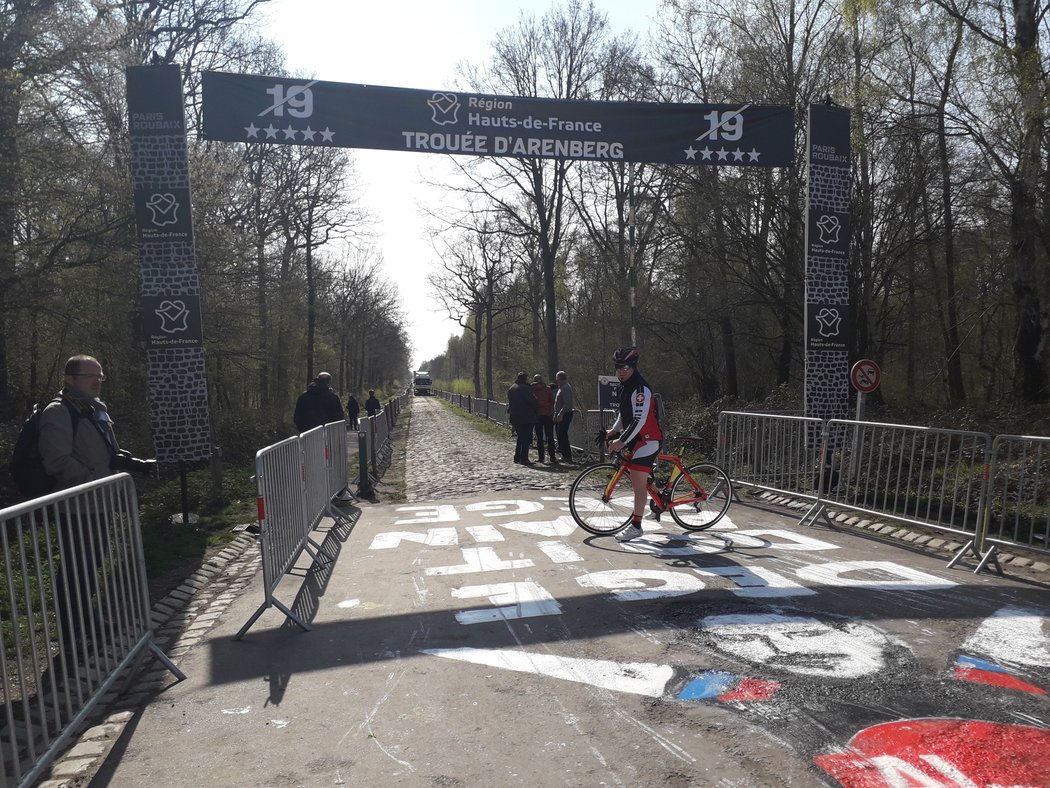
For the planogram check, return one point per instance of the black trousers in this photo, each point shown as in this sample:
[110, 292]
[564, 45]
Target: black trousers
[521, 448]
[545, 427]
[563, 436]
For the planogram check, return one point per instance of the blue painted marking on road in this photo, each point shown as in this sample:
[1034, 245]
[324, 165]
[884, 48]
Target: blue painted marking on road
[709, 684]
[962, 659]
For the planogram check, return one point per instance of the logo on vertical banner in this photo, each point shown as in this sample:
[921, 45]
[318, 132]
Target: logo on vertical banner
[171, 321]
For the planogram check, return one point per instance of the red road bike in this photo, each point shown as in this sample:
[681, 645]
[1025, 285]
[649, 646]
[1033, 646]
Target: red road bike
[601, 498]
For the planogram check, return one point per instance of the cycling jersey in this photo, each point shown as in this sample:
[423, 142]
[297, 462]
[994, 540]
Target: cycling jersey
[636, 421]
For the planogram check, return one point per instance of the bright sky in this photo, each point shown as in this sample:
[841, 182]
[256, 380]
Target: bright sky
[409, 44]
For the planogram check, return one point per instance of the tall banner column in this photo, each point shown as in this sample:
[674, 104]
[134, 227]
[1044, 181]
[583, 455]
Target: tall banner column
[827, 258]
[171, 299]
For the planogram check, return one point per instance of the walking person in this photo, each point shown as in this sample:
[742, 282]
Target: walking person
[372, 406]
[637, 430]
[544, 417]
[353, 410]
[563, 414]
[317, 405]
[521, 406]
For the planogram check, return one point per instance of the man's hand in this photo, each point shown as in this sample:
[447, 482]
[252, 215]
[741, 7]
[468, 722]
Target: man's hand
[123, 461]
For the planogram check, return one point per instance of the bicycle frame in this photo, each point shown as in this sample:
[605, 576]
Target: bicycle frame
[655, 494]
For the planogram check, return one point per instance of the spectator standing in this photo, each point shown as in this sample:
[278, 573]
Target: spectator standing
[73, 455]
[77, 445]
[563, 414]
[317, 405]
[353, 410]
[544, 417]
[521, 406]
[372, 406]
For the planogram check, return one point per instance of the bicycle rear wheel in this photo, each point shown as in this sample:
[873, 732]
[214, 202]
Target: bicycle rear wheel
[700, 496]
[597, 509]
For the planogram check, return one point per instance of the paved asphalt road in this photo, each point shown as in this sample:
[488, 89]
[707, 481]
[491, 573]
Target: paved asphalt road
[484, 640]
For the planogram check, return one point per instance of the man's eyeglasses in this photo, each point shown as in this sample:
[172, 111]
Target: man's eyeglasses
[622, 366]
[99, 378]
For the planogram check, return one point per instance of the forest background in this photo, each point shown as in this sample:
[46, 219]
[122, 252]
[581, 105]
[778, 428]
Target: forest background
[948, 250]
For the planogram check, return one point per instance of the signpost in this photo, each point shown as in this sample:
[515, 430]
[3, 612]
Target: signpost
[865, 377]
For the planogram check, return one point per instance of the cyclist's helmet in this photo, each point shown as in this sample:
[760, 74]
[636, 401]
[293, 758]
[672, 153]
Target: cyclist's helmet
[626, 355]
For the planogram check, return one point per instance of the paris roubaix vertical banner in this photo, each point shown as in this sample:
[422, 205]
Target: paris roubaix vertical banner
[827, 246]
[249, 108]
[171, 300]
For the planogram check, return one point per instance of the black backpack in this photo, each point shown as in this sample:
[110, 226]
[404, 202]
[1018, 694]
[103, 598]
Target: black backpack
[27, 466]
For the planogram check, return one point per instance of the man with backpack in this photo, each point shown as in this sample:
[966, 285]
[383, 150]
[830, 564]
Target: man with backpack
[76, 441]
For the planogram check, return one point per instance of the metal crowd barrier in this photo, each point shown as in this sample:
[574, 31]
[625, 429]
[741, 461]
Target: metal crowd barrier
[74, 615]
[769, 452]
[991, 493]
[337, 448]
[1017, 503]
[924, 476]
[373, 442]
[296, 483]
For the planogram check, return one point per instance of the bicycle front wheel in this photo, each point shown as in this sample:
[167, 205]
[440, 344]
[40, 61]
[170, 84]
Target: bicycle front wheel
[598, 505]
[700, 496]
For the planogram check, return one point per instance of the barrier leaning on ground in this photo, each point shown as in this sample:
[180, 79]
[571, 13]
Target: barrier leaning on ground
[296, 480]
[993, 494]
[75, 554]
[374, 445]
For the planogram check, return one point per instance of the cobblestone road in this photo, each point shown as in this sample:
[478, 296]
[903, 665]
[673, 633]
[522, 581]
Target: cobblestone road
[447, 458]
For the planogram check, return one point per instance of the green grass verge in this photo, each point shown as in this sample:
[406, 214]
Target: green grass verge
[175, 550]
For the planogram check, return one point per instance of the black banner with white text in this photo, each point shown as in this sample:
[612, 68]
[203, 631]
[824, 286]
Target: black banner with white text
[248, 108]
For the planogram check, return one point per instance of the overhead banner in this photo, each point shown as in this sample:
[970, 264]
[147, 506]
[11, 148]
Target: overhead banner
[827, 255]
[248, 108]
[170, 287]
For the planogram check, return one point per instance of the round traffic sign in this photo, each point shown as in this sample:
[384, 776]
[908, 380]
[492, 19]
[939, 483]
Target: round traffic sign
[865, 376]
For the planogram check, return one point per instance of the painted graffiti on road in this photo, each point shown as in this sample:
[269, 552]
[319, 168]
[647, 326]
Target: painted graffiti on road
[874, 714]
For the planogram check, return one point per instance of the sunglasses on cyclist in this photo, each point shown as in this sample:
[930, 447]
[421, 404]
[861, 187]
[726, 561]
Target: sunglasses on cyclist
[622, 366]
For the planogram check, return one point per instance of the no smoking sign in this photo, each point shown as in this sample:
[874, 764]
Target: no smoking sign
[865, 376]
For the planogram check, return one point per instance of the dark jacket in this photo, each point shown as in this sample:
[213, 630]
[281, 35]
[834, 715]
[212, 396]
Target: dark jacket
[353, 410]
[372, 406]
[316, 406]
[521, 404]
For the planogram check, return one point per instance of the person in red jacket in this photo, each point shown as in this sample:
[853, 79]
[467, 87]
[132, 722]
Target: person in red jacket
[544, 416]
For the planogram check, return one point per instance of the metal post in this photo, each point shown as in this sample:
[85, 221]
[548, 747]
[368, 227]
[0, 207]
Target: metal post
[364, 484]
[632, 276]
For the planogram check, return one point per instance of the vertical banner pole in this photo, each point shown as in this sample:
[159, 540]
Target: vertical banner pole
[827, 324]
[171, 298]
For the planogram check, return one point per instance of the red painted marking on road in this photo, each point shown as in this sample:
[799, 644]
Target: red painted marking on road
[995, 679]
[942, 752]
[751, 689]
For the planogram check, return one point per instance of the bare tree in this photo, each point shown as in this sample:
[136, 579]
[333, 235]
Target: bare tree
[477, 266]
[567, 54]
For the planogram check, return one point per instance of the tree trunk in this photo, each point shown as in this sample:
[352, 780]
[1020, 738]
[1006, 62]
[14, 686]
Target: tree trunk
[1023, 219]
[10, 106]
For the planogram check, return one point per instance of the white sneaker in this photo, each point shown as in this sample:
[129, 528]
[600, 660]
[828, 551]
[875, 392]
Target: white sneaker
[629, 533]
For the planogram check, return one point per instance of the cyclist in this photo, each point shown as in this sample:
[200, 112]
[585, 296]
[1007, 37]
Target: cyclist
[637, 430]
